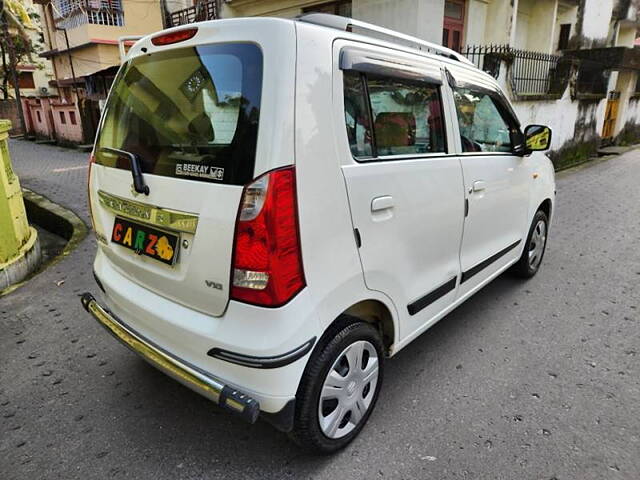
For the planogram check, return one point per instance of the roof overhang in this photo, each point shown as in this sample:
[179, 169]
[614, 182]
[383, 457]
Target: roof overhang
[92, 41]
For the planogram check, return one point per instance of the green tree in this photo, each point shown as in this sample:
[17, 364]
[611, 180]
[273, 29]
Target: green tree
[16, 45]
[15, 19]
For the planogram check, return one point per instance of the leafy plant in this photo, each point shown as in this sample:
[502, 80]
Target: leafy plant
[17, 21]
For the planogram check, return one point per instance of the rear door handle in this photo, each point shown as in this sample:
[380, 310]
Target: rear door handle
[479, 186]
[381, 203]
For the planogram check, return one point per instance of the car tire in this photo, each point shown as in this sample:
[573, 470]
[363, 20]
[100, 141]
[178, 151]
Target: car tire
[337, 394]
[533, 252]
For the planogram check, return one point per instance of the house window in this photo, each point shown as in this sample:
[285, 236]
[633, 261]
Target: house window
[63, 120]
[38, 116]
[72, 118]
[73, 13]
[592, 79]
[563, 41]
[453, 25]
[341, 7]
[25, 80]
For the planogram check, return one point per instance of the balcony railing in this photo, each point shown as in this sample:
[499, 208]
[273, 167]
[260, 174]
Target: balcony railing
[69, 14]
[200, 12]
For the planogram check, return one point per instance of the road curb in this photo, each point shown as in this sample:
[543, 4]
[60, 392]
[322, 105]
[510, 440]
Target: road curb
[55, 219]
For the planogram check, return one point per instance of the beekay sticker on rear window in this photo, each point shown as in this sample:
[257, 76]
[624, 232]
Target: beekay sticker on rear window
[200, 171]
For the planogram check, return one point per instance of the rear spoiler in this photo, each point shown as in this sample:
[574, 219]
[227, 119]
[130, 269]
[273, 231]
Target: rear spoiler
[126, 40]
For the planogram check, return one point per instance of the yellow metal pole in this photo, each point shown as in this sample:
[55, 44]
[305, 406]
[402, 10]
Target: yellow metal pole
[16, 237]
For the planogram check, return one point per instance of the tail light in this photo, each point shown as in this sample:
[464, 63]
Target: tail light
[267, 262]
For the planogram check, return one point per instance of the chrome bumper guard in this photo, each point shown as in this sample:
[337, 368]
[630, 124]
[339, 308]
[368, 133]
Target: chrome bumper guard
[208, 386]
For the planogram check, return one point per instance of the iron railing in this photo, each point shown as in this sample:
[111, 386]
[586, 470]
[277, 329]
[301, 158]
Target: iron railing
[486, 57]
[200, 12]
[531, 73]
[69, 14]
[534, 73]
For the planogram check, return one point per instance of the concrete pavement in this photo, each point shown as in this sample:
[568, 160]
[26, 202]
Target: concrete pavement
[527, 380]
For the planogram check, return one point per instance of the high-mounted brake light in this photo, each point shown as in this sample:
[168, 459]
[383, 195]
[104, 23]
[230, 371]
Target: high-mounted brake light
[174, 37]
[267, 262]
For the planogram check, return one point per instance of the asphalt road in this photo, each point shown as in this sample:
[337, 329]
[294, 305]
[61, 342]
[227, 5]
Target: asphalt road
[527, 380]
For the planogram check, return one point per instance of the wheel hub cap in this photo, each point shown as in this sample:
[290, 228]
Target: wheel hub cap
[351, 388]
[537, 243]
[348, 389]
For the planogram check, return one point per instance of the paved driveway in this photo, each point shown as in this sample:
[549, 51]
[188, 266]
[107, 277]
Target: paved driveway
[533, 380]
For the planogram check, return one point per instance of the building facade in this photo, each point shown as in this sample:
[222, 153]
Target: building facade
[81, 41]
[570, 64]
[35, 75]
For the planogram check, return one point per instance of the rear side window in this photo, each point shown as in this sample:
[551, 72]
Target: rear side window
[483, 128]
[189, 113]
[356, 113]
[388, 116]
[407, 117]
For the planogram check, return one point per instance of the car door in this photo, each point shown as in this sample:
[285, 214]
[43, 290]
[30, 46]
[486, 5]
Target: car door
[495, 180]
[405, 189]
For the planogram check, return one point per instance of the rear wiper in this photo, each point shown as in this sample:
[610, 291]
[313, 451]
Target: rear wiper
[136, 171]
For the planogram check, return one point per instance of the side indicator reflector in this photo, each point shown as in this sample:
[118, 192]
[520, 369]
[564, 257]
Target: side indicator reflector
[174, 37]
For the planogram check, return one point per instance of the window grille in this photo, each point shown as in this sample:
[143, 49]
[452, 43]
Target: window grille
[70, 14]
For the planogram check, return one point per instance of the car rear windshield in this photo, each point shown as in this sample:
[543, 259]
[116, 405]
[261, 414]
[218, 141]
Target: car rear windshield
[189, 113]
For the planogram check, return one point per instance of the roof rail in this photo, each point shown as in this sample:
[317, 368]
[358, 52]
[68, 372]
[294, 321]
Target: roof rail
[347, 24]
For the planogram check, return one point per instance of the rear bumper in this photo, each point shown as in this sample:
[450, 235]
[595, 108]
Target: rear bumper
[259, 352]
[203, 383]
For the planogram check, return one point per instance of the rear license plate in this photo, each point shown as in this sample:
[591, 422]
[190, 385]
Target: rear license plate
[144, 240]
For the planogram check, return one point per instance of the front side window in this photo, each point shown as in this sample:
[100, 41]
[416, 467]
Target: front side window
[190, 113]
[407, 116]
[482, 127]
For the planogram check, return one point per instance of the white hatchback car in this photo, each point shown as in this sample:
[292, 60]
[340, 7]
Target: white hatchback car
[282, 204]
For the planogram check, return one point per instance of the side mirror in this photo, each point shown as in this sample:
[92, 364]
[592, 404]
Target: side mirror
[537, 138]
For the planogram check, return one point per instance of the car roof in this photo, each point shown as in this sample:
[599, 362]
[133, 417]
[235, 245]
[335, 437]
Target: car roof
[458, 67]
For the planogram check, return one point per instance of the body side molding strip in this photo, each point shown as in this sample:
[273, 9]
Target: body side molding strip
[484, 264]
[432, 296]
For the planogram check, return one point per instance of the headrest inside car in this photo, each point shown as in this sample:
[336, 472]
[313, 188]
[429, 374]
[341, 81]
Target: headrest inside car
[394, 129]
